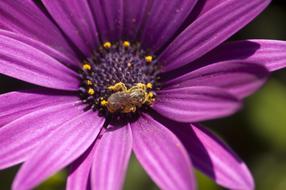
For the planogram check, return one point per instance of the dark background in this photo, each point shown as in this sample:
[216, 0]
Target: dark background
[257, 133]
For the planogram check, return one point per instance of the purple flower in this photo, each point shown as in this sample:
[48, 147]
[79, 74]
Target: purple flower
[115, 76]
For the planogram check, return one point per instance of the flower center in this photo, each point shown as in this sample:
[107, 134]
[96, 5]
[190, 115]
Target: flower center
[119, 79]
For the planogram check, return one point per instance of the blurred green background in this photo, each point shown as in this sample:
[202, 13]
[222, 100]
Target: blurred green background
[257, 133]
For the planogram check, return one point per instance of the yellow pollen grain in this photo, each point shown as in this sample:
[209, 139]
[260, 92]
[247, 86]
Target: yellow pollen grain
[104, 103]
[107, 45]
[126, 44]
[149, 85]
[90, 91]
[149, 59]
[86, 67]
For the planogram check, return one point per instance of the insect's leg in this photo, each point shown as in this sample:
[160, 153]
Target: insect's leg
[150, 98]
[118, 87]
[129, 108]
[141, 85]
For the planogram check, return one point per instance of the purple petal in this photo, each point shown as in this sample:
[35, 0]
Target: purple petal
[76, 20]
[26, 18]
[209, 4]
[108, 15]
[25, 62]
[209, 30]
[211, 156]
[163, 18]
[20, 137]
[203, 7]
[79, 174]
[134, 14]
[111, 159]
[162, 155]
[238, 77]
[195, 104]
[14, 105]
[269, 53]
[59, 149]
[3, 27]
[61, 57]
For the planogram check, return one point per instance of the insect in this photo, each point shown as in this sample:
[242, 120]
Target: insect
[128, 100]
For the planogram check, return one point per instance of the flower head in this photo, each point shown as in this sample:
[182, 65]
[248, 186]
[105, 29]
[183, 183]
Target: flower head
[115, 76]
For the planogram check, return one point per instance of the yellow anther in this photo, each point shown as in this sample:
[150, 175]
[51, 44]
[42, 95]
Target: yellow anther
[104, 103]
[86, 67]
[150, 95]
[90, 91]
[149, 59]
[107, 45]
[88, 82]
[149, 85]
[126, 44]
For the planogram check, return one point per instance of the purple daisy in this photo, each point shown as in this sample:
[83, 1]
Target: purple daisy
[114, 76]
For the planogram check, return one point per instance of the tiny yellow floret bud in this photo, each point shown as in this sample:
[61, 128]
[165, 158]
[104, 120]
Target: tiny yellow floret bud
[149, 59]
[126, 44]
[107, 45]
[86, 67]
[90, 91]
[88, 82]
[149, 85]
[104, 103]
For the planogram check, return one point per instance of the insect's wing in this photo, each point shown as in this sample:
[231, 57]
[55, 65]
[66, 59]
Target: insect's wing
[122, 97]
[118, 101]
[137, 97]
